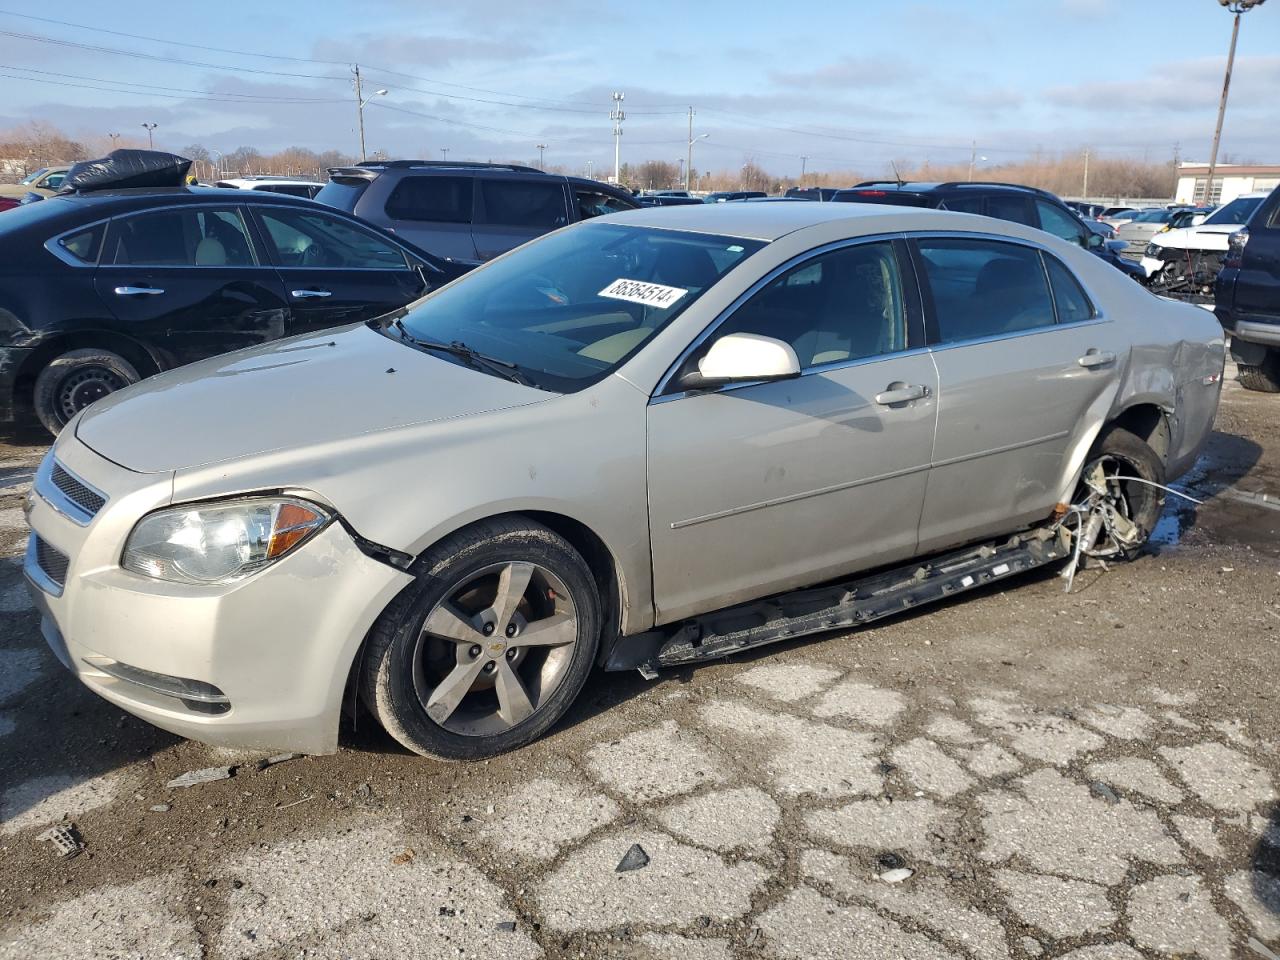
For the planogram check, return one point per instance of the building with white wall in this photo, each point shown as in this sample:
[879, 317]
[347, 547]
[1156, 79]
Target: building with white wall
[1230, 180]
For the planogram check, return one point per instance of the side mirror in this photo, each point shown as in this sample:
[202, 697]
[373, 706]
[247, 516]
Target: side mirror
[743, 358]
[1095, 241]
[1117, 246]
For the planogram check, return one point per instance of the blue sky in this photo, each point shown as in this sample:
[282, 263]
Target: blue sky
[851, 86]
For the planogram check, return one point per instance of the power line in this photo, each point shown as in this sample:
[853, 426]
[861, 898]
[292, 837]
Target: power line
[247, 97]
[148, 93]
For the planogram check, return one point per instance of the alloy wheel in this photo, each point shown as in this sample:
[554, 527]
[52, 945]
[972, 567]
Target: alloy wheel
[495, 648]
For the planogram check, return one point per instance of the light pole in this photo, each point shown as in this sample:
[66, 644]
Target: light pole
[444, 154]
[1237, 7]
[974, 158]
[541, 148]
[804, 161]
[361, 101]
[115, 138]
[680, 173]
[151, 144]
[688, 167]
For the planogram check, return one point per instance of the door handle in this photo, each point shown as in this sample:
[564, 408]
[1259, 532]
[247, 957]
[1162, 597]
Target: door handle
[1096, 358]
[307, 294]
[134, 291]
[901, 393]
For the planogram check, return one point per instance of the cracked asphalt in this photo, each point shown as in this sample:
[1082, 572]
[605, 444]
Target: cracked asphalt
[1021, 773]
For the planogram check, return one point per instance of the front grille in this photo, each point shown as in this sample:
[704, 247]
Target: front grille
[84, 497]
[52, 561]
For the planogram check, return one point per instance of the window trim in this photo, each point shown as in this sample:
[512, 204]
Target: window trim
[238, 207]
[917, 343]
[935, 342]
[269, 245]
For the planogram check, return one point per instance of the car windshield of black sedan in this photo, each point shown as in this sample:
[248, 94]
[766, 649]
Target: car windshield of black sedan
[569, 308]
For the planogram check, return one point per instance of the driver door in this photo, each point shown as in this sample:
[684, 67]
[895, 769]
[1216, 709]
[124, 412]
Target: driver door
[757, 488]
[334, 271]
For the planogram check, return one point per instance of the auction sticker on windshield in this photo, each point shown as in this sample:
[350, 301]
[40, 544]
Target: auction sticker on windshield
[637, 291]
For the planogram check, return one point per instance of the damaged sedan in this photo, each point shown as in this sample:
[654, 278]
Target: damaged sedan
[651, 439]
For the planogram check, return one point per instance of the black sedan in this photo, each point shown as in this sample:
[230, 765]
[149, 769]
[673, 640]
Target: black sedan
[101, 289]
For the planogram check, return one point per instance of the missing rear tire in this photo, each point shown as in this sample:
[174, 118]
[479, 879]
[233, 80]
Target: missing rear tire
[1121, 488]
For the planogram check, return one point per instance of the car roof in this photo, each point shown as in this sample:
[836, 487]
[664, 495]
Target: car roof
[769, 221]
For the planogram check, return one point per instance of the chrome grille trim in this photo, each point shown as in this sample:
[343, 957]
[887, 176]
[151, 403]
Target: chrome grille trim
[68, 494]
[77, 491]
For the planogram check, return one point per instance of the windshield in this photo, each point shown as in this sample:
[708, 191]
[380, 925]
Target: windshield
[1235, 212]
[33, 177]
[1154, 216]
[570, 307]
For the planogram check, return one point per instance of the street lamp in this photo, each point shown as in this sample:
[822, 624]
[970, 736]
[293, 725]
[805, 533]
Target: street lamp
[151, 144]
[541, 148]
[1237, 7]
[689, 164]
[361, 104]
[115, 138]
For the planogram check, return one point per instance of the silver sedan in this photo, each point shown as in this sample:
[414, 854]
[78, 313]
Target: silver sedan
[645, 440]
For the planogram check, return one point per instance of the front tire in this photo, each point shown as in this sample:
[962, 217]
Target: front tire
[77, 378]
[1263, 377]
[491, 645]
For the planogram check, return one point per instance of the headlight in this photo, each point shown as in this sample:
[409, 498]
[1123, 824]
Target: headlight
[1155, 251]
[217, 542]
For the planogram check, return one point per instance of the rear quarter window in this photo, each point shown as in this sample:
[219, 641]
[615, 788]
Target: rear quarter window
[435, 199]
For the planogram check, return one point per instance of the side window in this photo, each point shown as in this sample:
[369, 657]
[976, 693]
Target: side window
[597, 204]
[964, 204]
[985, 288]
[1068, 296]
[84, 244]
[523, 203]
[843, 305]
[191, 237]
[304, 238]
[53, 181]
[438, 199]
[1056, 221]
[1010, 206]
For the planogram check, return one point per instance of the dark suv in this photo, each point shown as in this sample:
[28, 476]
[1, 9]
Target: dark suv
[467, 211]
[1003, 201]
[1247, 296]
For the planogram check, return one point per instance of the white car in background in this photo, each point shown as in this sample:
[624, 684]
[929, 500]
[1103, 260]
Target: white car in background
[1186, 261]
[293, 187]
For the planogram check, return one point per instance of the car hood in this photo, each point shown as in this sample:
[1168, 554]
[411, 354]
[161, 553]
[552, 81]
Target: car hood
[1211, 236]
[293, 393]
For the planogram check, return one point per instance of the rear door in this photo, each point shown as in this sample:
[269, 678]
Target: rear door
[191, 280]
[1022, 354]
[334, 271]
[431, 212]
[513, 210]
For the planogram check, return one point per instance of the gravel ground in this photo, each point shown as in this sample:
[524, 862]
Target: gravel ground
[1021, 773]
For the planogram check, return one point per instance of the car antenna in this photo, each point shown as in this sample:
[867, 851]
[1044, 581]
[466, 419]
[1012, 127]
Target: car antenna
[896, 175]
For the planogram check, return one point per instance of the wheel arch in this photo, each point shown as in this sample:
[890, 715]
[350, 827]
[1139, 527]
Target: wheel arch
[144, 359]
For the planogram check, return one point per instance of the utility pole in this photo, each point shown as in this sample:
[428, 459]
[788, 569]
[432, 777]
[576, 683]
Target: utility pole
[617, 116]
[359, 108]
[151, 144]
[688, 167]
[1084, 187]
[804, 160]
[1177, 170]
[541, 147]
[680, 173]
[973, 158]
[1237, 7]
[444, 154]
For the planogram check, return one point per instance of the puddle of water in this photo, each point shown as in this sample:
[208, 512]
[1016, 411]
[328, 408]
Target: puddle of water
[1168, 531]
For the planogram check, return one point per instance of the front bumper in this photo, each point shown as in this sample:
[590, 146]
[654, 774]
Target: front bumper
[1150, 265]
[259, 663]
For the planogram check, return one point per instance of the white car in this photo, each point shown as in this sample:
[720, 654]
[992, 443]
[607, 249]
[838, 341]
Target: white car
[289, 185]
[1193, 255]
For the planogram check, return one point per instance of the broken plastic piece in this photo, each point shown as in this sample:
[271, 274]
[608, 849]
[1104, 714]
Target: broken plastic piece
[194, 778]
[898, 875]
[278, 758]
[65, 839]
[633, 859]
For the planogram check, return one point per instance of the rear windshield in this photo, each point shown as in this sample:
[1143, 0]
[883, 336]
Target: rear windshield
[343, 194]
[1154, 216]
[1237, 211]
[896, 197]
[570, 307]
